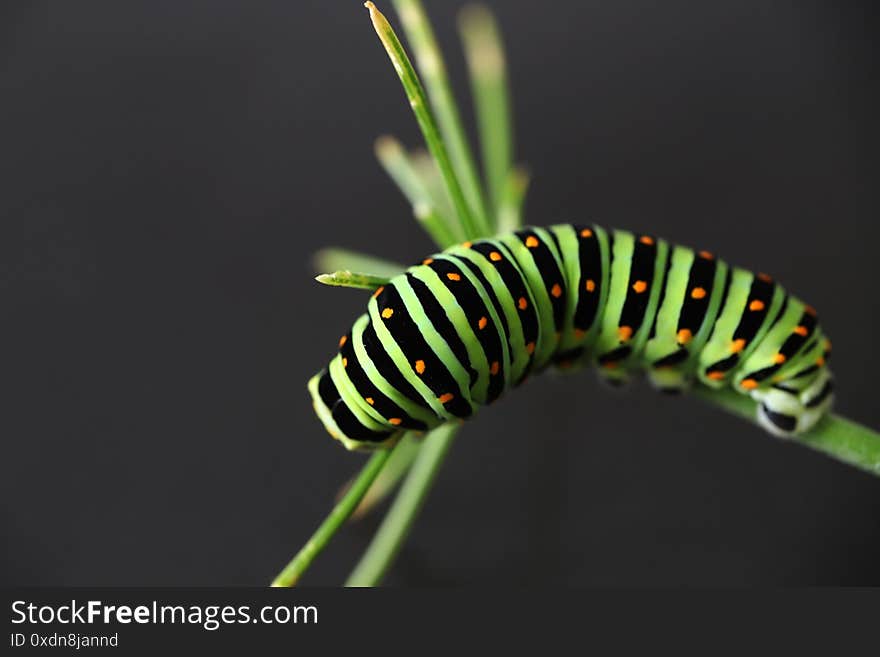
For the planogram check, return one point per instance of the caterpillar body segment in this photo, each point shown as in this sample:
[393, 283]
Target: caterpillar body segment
[454, 332]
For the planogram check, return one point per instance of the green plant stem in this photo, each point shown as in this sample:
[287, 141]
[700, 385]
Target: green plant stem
[426, 169]
[443, 229]
[425, 118]
[352, 279]
[333, 259]
[834, 436]
[510, 212]
[340, 513]
[397, 523]
[486, 63]
[394, 159]
[432, 67]
[398, 465]
[433, 224]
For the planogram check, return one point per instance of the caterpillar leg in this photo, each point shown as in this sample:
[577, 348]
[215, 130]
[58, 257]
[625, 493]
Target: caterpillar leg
[785, 413]
[670, 380]
[614, 376]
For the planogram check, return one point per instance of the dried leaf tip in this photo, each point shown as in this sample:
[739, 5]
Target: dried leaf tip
[482, 40]
[386, 34]
[387, 146]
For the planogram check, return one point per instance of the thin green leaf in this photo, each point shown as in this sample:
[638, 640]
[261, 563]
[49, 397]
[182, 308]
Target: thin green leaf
[432, 68]
[425, 118]
[353, 279]
[485, 58]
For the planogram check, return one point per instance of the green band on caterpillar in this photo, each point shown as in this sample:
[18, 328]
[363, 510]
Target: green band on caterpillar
[451, 334]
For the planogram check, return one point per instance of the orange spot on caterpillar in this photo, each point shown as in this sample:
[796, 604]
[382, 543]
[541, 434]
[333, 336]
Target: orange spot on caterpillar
[386, 314]
[698, 293]
[530, 347]
[427, 261]
[369, 400]
[344, 361]
[467, 244]
[647, 240]
[420, 366]
[394, 420]
[452, 276]
[532, 241]
[482, 323]
[640, 286]
[756, 305]
[761, 276]
[522, 304]
[684, 336]
[820, 361]
[579, 333]
[496, 366]
[715, 376]
[612, 365]
[445, 397]
[342, 341]
[706, 255]
[810, 311]
[801, 330]
[378, 291]
[590, 285]
[586, 232]
[748, 384]
[494, 256]
[624, 333]
[556, 290]
[778, 359]
[737, 345]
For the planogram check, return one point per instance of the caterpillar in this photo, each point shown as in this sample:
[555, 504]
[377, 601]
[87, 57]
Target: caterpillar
[454, 332]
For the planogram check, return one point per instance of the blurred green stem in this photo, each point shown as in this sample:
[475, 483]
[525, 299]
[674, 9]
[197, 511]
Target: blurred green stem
[510, 210]
[400, 517]
[398, 465]
[488, 73]
[443, 229]
[333, 259]
[303, 559]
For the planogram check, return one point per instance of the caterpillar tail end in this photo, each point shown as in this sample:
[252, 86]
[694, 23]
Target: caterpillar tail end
[321, 389]
[786, 413]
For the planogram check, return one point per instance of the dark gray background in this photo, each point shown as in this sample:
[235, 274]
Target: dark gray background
[167, 168]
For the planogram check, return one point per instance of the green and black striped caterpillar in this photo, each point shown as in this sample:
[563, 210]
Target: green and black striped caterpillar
[454, 332]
